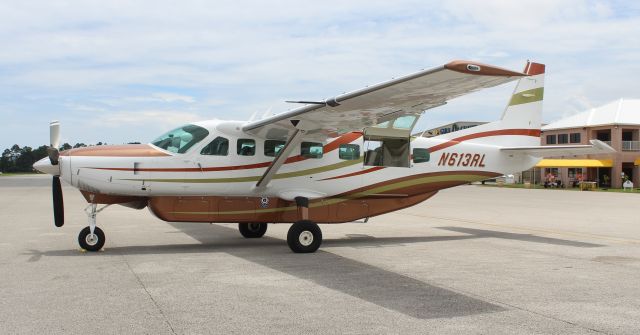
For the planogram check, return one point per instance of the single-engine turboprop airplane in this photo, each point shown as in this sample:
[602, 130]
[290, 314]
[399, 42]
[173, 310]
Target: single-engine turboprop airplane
[346, 158]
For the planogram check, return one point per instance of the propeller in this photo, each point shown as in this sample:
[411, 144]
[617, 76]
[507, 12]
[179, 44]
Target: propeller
[58, 204]
[54, 137]
[56, 187]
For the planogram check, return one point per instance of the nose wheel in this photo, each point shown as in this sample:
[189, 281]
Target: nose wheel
[91, 241]
[92, 238]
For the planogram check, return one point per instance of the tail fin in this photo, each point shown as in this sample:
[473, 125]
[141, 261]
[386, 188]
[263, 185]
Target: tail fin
[524, 110]
[521, 119]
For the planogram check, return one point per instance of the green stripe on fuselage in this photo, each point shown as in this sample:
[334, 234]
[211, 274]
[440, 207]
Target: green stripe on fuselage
[254, 178]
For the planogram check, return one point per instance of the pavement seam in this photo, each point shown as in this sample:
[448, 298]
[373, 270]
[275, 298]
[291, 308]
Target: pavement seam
[155, 303]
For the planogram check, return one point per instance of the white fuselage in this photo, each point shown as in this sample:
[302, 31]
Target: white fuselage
[192, 173]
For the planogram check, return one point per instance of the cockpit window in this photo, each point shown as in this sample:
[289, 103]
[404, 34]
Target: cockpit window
[181, 139]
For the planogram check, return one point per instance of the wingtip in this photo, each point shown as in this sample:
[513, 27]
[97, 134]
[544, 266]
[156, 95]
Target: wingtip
[476, 68]
[533, 68]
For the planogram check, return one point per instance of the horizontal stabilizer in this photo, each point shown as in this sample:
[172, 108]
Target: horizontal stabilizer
[596, 147]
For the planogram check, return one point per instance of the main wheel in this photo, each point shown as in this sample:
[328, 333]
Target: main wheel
[304, 237]
[91, 242]
[253, 229]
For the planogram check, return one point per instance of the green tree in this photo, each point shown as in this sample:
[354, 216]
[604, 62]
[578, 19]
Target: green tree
[5, 160]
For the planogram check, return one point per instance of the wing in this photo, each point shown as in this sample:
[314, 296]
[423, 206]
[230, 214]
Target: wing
[387, 101]
[596, 147]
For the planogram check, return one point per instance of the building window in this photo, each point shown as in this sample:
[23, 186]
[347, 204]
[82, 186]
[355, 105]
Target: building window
[349, 151]
[563, 138]
[218, 147]
[574, 138]
[246, 147]
[311, 150]
[420, 155]
[551, 139]
[272, 147]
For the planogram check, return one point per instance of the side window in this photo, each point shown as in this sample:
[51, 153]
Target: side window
[246, 147]
[349, 151]
[420, 155]
[311, 150]
[271, 147]
[218, 147]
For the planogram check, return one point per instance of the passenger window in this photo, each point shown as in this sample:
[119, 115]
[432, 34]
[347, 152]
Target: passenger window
[311, 150]
[349, 151]
[420, 155]
[218, 147]
[246, 147]
[272, 147]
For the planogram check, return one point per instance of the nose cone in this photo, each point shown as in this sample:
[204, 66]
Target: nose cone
[44, 166]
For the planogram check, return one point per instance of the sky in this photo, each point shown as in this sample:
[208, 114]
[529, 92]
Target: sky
[122, 71]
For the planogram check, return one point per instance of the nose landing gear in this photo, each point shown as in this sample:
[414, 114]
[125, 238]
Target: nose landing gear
[92, 238]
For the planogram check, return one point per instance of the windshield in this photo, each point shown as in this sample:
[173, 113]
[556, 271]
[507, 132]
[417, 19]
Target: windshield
[181, 139]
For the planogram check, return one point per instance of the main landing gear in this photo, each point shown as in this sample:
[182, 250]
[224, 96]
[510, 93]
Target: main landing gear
[92, 238]
[304, 236]
[252, 229]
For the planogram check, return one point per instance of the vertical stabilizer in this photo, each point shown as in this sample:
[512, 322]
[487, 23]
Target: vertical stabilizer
[524, 110]
[520, 121]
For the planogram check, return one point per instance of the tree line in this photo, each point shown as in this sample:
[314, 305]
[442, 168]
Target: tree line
[21, 159]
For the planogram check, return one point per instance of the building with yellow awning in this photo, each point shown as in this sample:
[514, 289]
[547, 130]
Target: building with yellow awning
[617, 124]
[576, 163]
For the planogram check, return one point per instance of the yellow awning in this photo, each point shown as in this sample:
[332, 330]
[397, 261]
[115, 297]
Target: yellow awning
[577, 163]
[637, 162]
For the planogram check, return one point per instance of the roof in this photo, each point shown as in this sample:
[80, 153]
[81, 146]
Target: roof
[575, 163]
[622, 112]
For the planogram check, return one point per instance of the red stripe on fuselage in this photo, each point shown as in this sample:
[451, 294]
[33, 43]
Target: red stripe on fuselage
[501, 132]
[333, 145]
[376, 168]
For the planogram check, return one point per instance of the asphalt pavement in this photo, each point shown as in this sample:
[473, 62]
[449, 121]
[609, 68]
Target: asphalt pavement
[471, 260]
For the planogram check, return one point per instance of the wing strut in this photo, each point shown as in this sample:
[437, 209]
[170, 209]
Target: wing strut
[281, 157]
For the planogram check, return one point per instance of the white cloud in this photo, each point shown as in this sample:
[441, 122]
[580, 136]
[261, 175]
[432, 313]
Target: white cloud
[145, 118]
[92, 60]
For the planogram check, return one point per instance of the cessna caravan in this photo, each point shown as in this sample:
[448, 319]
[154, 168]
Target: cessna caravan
[346, 158]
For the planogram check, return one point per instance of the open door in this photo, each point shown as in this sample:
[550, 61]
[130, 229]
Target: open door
[388, 143]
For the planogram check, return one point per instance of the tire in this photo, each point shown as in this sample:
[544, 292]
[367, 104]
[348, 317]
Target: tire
[252, 229]
[304, 237]
[95, 245]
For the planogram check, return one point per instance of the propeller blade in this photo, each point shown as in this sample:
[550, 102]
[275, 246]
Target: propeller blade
[54, 134]
[58, 205]
[54, 137]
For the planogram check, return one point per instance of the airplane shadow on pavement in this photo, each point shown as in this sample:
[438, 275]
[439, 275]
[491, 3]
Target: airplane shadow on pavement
[384, 288]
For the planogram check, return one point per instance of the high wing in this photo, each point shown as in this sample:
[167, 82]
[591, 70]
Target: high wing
[388, 101]
[596, 147]
[372, 105]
